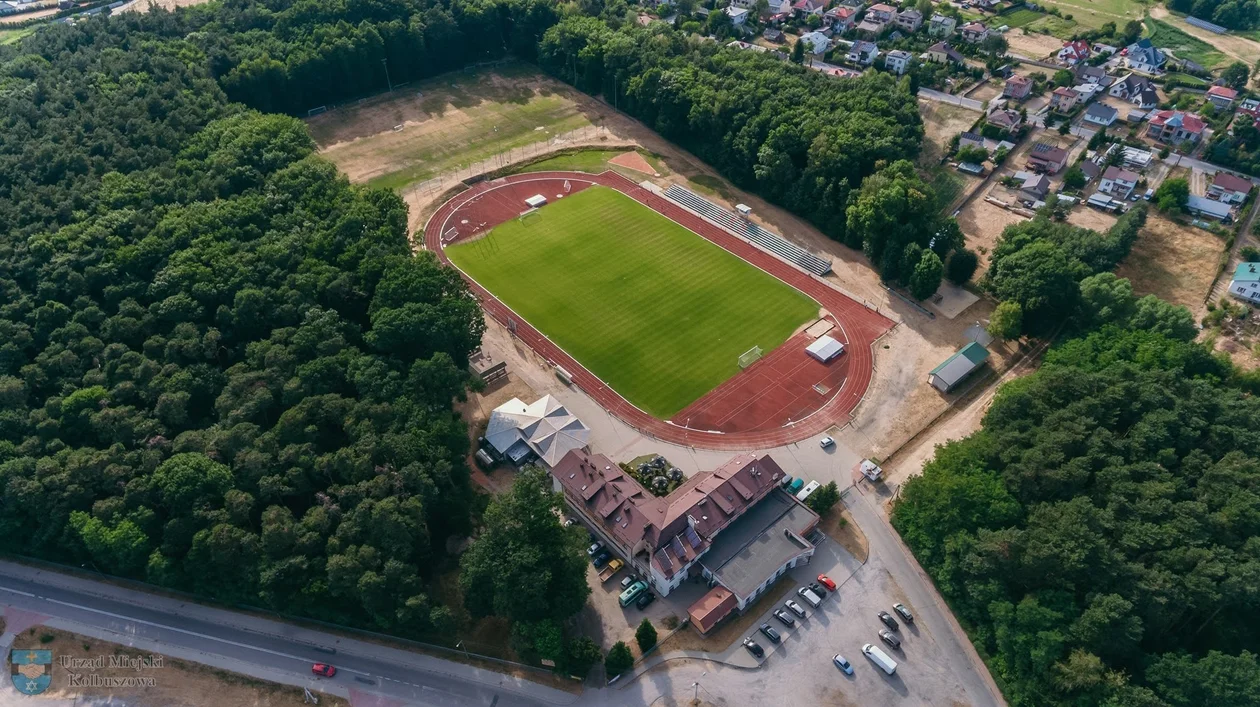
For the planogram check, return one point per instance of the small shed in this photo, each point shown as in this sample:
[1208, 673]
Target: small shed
[956, 368]
[825, 348]
[536, 201]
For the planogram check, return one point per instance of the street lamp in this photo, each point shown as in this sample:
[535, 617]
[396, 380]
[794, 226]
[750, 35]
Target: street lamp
[695, 698]
[385, 63]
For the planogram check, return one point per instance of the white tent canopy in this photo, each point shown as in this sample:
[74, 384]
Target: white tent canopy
[549, 429]
[825, 348]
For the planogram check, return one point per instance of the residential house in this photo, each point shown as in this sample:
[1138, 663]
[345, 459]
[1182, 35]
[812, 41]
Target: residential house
[1130, 86]
[1219, 210]
[1250, 107]
[1229, 188]
[773, 35]
[1118, 182]
[974, 33]
[1017, 88]
[862, 53]
[1046, 158]
[1064, 99]
[804, 8]
[1222, 96]
[8, 8]
[1100, 115]
[738, 15]
[1005, 119]
[1087, 91]
[1091, 170]
[1174, 126]
[909, 20]
[780, 10]
[941, 53]
[1245, 284]
[1145, 57]
[1094, 75]
[941, 26]
[877, 17]
[840, 18]
[1135, 158]
[816, 42]
[897, 61]
[971, 140]
[1073, 53]
[1107, 49]
[1034, 187]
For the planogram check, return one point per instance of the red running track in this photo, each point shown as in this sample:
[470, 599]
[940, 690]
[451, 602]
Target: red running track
[490, 203]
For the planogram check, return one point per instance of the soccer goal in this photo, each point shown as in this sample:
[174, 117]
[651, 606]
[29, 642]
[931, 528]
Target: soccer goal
[528, 217]
[749, 357]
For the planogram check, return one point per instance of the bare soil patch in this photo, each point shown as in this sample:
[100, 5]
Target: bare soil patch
[941, 122]
[840, 526]
[633, 160]
[1174, 261]
[1033, 46]
[987, 91]
[982, 223]
[444, 122]
[176, 683]
[1086, 217]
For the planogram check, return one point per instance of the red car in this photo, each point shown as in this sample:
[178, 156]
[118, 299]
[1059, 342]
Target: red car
[324, 670]
[826, 582]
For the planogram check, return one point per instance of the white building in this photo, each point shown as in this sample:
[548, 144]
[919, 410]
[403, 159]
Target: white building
[897, 61]
[1246, 283]
[544, 429]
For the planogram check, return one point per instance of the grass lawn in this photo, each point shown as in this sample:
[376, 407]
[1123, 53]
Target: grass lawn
[657, 312]
[449, 121]
[1019, 18]
[592, 161]
[1055, 26]
[1189, 79]
[11, 36]
[1184, 46]
[946, 184]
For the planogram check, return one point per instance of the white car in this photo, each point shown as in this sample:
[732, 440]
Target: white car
[842, 664]
[796, 608]
[826, 443]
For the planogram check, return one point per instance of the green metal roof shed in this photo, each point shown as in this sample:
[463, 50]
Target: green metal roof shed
[957, 367]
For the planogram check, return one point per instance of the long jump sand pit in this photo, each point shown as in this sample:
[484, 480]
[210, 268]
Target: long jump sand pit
[425, 128]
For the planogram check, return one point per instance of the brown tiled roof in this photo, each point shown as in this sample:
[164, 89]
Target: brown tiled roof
[711, 608]
[1229, 182]
[679, 526]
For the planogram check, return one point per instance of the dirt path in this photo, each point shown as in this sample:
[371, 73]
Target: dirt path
[1231, 45]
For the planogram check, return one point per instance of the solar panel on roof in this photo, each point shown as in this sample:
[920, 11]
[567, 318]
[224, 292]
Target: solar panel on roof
[692, 538]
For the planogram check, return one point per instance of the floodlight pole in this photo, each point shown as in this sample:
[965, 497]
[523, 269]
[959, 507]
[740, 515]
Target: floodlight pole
[385, 63]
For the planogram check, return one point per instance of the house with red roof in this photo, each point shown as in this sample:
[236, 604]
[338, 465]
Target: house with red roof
[1174, 127]
[1073, 53]
[1017, 87]
[1222, 96]
[974, 32]
[840, 18]
[1229, 188]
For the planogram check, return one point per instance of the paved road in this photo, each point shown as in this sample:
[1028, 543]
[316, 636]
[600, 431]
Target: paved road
[933, 95]
[265, 649]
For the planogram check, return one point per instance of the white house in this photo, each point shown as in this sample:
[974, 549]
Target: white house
[862, 53]
[1118, 182]
[1246, 283]
[941, 26]
[739, 15]
[1145, 57]
[974, 33]
[1100, 115]
[897, 61]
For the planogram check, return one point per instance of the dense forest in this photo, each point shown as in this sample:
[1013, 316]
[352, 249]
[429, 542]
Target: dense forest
[1100, 535]
[221, 369]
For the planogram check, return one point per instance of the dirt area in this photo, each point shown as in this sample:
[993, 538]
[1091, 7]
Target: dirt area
[1091, 218]
[393, 139]
[986, 91]
[24, 16]
[982, 223]
[941, 122]
[1174, 261]
[1033, 46]
[838, 524]
[721, 638]
[175, 683]
[634, 161]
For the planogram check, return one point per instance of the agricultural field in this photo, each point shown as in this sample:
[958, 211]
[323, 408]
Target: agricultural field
[445, 122]
[1182, 45]
[1095, 13]
[657, 312]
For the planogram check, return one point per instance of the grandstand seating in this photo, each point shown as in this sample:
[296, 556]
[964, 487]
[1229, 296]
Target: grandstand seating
[747, 229]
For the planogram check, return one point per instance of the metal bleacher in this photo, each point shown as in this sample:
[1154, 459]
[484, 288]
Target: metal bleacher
[747, 229]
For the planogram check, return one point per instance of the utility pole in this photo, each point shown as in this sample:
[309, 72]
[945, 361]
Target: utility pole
[385, 63]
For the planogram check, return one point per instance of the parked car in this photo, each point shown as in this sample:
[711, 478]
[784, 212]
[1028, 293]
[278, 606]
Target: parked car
[904, 613]
[627, 581]
[632, 593]
[796, 608]
[888, 620]
[818, 589]
[594, 549]
[880, 658]
[602, 559]
[891, 640]
[810, 597]
[770, 633]
[323, 670]
[753, 648]
[826, 442]
[784, 617]
[644, 600]
[568, 522]
[842, 664]
[827, 582]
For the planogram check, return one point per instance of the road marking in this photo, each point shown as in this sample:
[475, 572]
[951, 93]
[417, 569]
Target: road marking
[208, 637]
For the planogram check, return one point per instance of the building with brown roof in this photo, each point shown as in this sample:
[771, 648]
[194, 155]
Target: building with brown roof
[732, 526]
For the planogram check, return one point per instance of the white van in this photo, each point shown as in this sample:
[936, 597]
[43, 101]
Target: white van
[808, 595]
[880, 658]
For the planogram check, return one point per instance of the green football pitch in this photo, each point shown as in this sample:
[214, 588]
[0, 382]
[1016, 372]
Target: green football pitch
[656, 311]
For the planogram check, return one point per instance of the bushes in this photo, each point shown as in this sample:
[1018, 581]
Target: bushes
[618, 660]
[645, 635]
